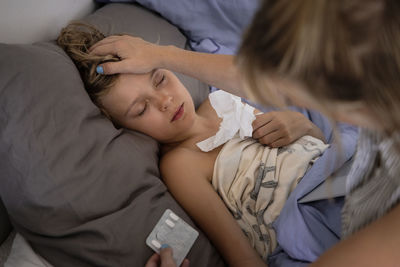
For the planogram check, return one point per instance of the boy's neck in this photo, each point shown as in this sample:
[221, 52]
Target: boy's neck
[206, 124]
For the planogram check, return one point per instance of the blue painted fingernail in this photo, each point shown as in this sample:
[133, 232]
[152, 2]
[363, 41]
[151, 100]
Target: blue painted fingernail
[99, 70]
[164, 246]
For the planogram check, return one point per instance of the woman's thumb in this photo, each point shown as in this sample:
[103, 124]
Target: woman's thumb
[166, 256]
[110, 68]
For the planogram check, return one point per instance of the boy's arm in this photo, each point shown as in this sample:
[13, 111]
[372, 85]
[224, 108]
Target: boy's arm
[283, 127]
[187, 181]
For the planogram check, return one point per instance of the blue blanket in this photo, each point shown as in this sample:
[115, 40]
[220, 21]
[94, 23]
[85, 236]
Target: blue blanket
[306, 230]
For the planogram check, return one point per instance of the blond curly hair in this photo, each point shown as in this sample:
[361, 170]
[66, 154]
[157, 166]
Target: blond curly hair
[76, 39]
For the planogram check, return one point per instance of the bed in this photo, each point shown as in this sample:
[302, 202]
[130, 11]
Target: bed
[78, 191]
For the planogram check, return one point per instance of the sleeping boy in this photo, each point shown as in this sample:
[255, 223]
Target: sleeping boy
[233, 185]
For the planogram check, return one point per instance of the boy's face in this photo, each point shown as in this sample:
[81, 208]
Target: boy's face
[155, 103]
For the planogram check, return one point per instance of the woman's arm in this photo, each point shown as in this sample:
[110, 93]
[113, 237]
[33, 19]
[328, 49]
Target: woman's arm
[185, 178]
[139, 56]
[376, 245]
[213, 69]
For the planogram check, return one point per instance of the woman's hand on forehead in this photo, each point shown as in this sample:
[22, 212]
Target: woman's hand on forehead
[137, 56]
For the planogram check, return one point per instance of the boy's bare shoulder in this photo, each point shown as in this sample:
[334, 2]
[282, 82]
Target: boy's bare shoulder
[177, 156]
[181, 160]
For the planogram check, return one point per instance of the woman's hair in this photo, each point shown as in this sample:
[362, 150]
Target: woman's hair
[76, 39]
[340, 50]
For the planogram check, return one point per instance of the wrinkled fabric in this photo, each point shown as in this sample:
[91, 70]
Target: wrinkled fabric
[211, 26]
[323, 216]
[373, 184]
[255, 180]
[303, 232]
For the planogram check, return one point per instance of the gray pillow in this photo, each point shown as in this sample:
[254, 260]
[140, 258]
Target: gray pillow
[5, 227]
[80, 191]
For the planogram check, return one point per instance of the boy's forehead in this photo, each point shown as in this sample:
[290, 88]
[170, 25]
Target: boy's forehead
[119, 96]
[126, 86]
[132, 83]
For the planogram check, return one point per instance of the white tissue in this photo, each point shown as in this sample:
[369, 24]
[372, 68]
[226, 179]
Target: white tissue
[236, 117]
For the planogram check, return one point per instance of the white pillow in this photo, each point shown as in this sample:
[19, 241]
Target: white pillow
[22, 255]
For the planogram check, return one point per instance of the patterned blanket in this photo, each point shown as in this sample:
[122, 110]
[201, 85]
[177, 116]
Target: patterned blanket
[255, 180]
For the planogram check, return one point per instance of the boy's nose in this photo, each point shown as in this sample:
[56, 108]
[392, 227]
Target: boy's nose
[165, 101]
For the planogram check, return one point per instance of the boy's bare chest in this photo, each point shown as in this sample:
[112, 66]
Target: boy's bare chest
[202, 162]
[210, 159]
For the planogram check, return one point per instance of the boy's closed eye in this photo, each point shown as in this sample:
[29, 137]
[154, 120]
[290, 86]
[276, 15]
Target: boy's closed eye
[159, 80]
[143, 109]
[158, 77]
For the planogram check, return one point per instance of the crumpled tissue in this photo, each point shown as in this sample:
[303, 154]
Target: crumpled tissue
[236, 117]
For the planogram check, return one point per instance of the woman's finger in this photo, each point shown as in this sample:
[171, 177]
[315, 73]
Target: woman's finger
[104, 41]
[105, 49]
[109, 68]
[166, 257]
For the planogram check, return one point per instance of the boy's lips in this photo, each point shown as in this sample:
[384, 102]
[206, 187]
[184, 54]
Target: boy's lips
[178, 114]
